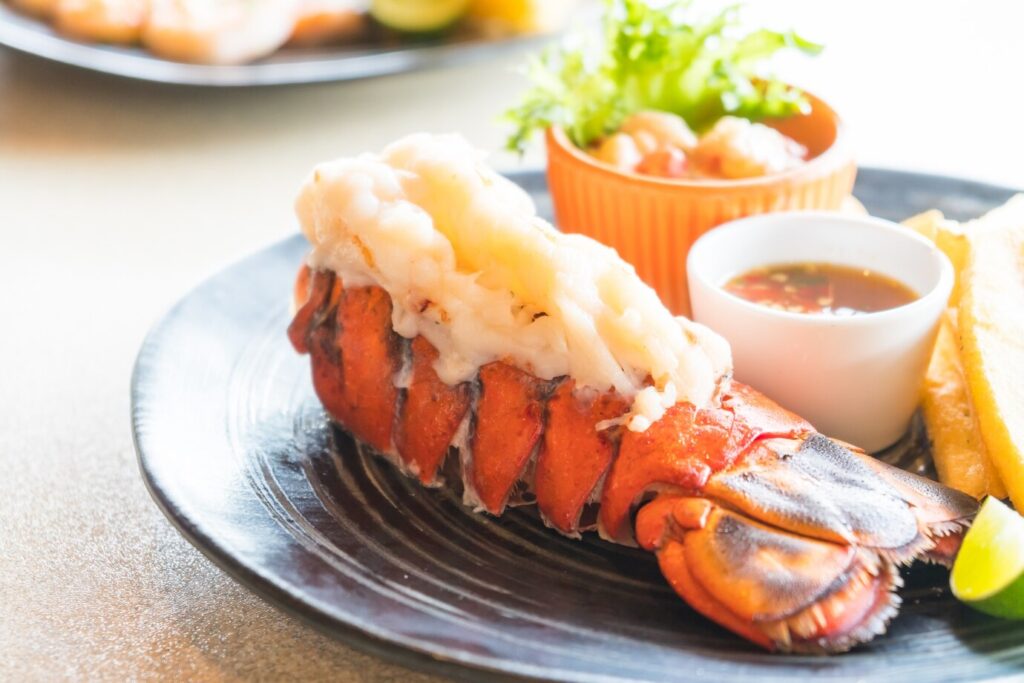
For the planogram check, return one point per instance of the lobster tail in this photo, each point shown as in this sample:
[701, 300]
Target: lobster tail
[800, 541]
[774, 531]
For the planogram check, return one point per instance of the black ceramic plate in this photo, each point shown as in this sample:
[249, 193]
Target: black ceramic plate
[377, 54]
[235, 448]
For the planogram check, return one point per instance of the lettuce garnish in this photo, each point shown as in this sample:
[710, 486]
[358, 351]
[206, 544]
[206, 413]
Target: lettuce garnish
[656, 55]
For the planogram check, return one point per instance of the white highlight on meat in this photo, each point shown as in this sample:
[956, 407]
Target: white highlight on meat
[471, 267]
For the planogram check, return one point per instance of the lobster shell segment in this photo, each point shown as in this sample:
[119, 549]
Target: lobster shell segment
[369, 361]
[506, 432]
[575, 457]
[774, 531]
[430, 416]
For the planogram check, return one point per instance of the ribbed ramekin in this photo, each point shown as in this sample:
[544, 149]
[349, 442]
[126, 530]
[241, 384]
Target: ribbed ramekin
[653, 221]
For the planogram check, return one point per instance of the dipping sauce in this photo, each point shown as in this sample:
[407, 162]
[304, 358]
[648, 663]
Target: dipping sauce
[820, 289]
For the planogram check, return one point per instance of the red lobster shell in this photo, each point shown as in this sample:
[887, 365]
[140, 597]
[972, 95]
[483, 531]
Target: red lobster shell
[787, 538]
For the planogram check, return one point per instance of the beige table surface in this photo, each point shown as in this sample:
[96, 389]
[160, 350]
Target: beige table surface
[117, 197]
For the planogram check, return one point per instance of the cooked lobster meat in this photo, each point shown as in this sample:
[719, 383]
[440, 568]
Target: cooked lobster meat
[776, 532]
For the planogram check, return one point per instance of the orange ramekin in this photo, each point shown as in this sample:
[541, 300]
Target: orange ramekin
[653, 221]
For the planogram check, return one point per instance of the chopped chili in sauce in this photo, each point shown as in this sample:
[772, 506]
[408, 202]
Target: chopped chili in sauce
[820, 288]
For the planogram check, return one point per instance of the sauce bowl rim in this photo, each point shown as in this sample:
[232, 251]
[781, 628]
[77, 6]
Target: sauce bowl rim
[941, 288]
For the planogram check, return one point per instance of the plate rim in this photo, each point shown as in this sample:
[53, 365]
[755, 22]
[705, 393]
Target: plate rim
[31, 36]
[278, 596]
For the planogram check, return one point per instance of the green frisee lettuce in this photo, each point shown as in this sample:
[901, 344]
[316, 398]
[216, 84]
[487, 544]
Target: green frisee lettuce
[662, 57]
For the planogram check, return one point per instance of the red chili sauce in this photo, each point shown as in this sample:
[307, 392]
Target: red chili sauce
[820, 288]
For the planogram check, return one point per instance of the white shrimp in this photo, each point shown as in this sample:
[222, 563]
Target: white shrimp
[326, 21]
[654, 130]
[224, 32]
[737, 148]
[620, 150]
[651, 143]
[105, 21]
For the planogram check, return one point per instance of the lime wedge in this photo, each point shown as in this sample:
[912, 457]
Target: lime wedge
[988, 573]
[418, 16]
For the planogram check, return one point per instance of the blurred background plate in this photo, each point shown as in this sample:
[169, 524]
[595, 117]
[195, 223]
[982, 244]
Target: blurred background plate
[379, 54]
[236, 450]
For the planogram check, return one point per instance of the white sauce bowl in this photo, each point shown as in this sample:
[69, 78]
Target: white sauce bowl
[856, 378]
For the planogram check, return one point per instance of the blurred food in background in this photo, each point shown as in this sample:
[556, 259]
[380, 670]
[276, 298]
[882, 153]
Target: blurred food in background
[325, 21]
[522, 16]
[240, 31]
